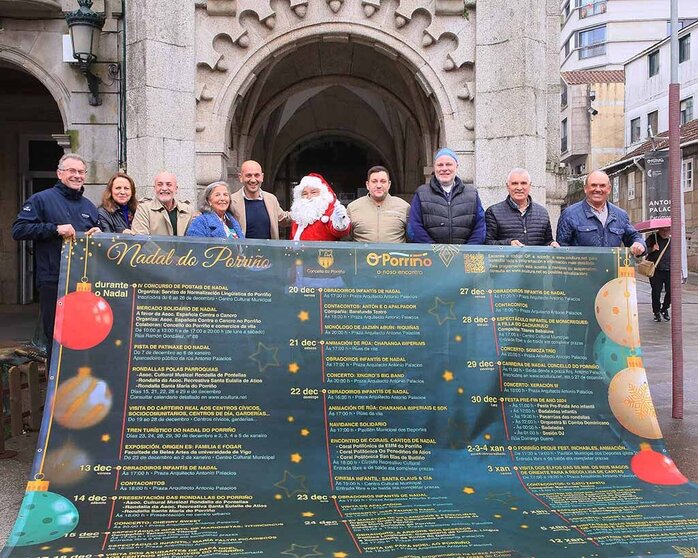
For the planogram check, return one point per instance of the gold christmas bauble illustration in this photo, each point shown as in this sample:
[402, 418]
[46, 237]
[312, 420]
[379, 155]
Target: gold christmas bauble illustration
[82, 401]
[631, 403]
[616, 310]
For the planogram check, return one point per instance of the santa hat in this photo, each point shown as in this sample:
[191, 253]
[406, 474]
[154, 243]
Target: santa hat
[315, 180]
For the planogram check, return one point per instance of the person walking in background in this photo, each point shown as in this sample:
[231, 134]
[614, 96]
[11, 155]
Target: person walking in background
[118, 204]
[658, 246]
[216, 220]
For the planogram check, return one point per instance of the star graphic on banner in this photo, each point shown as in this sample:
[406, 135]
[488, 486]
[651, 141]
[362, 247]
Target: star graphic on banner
[265, 357]
[442, 311]
[340, 555]
[292, 484]
[293, 368]
[105, 438]
[291, 419]
[506, 498]
[298, 551]
[296, 458]
[460, 391]
[448, 376]
[686, 552]
[468, 490]
[305, 432]
[66, 549]
[458, 338]
[308, 514]
[303, 316]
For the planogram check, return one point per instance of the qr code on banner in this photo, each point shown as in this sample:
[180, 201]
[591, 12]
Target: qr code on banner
[474, 263]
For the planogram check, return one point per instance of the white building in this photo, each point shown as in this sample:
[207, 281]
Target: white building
[604, 34]
[647, 78]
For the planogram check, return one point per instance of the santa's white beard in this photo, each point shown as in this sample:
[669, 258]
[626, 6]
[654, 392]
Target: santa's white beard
[306, 211]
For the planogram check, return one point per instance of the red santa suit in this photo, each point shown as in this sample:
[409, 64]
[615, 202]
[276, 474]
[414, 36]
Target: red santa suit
[333, 224]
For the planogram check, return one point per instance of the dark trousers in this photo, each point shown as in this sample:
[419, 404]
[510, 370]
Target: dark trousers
[657, 281]
[48, 294]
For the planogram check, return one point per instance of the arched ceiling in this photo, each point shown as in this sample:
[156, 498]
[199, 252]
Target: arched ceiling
[328, 88]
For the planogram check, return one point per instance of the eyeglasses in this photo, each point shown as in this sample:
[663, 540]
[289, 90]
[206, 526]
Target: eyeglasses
[74, 171]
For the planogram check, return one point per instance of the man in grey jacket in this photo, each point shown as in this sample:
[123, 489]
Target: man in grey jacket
[517, 221]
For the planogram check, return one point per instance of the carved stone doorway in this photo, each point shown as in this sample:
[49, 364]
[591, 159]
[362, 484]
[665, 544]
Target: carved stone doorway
[344, 104]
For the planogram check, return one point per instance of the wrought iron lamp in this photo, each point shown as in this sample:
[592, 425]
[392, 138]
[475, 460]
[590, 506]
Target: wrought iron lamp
[85, 27]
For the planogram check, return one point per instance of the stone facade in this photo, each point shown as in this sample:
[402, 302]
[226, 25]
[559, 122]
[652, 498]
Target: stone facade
[327, 85]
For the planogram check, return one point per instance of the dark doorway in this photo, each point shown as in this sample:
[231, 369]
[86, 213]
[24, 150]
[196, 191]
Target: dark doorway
[342, 161]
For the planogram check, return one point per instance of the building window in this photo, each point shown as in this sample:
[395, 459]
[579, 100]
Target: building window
[592, 42]
[568, 47]
[631, 186]
[652, 123]
[685, 48]
[686, 110]
[588, 8]
[653, 63]
[615, 192]
[634, 130]
[687, 175]
[563, 136]
[563, 94]
[566, 11]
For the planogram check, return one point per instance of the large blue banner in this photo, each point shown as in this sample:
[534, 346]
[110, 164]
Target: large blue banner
[336, 400]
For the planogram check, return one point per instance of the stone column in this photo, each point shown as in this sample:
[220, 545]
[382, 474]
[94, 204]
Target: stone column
[160, 85]
[511, 100]
[556, 178]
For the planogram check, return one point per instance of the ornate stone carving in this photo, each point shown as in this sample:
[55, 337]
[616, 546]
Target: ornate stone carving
[370, 7]
[299, 7]
[221, 7]
[335, 5]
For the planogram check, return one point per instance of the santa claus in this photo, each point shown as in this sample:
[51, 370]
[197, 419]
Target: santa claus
[316, 213]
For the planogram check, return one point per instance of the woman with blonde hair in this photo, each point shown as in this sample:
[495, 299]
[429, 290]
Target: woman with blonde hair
[118, 204]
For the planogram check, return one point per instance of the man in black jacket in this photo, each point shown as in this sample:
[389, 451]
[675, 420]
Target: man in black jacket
[517, 221]
[48, 218]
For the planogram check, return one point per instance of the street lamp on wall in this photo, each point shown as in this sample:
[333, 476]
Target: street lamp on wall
[85, 27]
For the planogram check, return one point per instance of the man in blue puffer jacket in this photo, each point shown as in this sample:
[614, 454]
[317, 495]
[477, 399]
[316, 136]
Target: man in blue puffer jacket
[48, 218]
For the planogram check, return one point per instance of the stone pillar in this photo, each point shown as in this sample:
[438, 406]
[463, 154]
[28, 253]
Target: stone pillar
[556, 178]
[161, 100]
[511, 100]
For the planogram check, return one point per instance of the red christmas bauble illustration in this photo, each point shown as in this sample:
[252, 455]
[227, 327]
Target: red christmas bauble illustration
[83, 319]
[656, 468]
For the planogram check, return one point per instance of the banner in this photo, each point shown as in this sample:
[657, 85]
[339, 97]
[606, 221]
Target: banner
[215, 399]
[658, 198]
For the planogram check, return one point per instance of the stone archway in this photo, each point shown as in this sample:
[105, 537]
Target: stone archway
[397, 77]
[350, 91]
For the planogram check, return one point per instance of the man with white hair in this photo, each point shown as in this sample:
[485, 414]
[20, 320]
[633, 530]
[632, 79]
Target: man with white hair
[517, 221]
[165, 215]
[50, 217]
[446, 210]
[316, 214]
